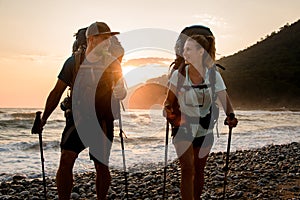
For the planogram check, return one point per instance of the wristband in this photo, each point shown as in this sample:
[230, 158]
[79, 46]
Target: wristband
[231, 116]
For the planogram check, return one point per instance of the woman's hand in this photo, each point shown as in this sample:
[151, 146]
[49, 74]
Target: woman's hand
[231, 121]
[174, 119]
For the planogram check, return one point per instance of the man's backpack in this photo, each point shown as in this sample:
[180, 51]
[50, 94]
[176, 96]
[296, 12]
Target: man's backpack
[80, 40]
[179, 64]
[78, 50]
[79, 47]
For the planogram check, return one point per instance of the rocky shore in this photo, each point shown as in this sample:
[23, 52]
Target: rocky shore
[271, 172]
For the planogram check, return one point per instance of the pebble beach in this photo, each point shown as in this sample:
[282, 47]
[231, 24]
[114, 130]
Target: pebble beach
[270, 172]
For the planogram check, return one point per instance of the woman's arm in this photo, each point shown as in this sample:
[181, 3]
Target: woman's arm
[170, 112]
[228, 108]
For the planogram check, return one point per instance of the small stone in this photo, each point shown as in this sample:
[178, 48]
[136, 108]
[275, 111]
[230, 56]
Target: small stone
[281, 157]
[220, 177]
[176, 189]
[148, 178]
[238, 194]
[6, 197]
[24, 193]
[74, 195]
[19, 177]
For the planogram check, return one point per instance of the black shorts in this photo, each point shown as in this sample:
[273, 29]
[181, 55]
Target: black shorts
[71, 141]
[180, 134]
[204, 141]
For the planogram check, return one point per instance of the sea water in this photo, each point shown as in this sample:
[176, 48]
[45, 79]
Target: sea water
[144, 143]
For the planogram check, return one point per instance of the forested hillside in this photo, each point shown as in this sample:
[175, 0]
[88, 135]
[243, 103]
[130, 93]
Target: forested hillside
[267, 74]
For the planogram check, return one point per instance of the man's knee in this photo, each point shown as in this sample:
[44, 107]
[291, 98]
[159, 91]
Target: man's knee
[100, 167]
[102, 170]
[67, 158]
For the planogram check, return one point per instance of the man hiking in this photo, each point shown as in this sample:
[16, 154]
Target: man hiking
[109, 90]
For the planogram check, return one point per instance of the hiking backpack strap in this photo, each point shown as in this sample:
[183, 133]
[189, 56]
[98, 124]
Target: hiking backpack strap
[212, 81]
[78, 51]
[214, 105]
[79, 57]
[79, 47]
[181, 76]
[212, 84]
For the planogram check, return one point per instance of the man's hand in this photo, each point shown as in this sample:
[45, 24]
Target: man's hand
[119, 90]
[37, 127]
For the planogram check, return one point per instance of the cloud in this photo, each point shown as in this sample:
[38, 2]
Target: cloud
[210, 20]
[40, 58]
[37, 58]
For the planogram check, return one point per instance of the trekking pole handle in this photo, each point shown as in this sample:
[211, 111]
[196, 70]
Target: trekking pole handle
[231, 117]
[36, 128]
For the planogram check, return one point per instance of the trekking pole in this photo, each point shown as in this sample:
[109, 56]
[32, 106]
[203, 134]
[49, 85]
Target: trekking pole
[226, 168]
[166, 158]
[36, 129]
[123, 152]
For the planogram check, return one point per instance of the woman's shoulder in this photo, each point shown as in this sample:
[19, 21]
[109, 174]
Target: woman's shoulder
[175, 73]
[174, 77]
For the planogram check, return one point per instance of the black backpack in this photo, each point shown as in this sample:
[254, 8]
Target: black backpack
[79, 47]
[78, 50]
[179, 64]
[80, 40]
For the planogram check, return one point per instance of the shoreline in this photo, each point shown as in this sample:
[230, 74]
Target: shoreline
[271, 109]
[270, 172]
[236, 106]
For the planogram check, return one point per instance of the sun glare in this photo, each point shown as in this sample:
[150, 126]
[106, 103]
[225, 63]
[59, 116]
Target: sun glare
[143, 64]
[127, 69]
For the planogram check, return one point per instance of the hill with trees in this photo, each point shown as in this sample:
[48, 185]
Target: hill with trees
[266, 75]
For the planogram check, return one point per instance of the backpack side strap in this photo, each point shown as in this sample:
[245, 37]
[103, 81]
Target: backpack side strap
[79, 57]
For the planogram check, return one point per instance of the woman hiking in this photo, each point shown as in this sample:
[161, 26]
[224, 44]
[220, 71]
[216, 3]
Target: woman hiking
[189, 108]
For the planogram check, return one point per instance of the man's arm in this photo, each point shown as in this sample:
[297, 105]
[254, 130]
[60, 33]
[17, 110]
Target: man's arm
[119, 89]
[53, 99]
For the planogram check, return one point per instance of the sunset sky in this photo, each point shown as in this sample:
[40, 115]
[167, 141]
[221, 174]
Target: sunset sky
[36, 35]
